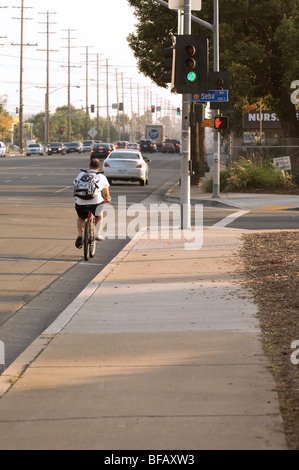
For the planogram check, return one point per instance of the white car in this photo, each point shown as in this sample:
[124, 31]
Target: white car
[35, 149]
[87, 145]
[2, 150]
[126, 165]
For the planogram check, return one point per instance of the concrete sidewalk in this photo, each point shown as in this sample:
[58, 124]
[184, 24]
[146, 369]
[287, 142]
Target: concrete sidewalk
[262, 201]
[161, 351]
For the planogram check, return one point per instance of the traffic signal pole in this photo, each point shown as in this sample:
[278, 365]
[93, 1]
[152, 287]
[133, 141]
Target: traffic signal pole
[217, 141]
[186, 138]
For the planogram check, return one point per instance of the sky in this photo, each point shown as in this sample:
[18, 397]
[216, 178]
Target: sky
[103, 26]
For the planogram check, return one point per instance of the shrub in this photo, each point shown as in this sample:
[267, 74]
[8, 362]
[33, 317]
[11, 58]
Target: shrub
[244, 175]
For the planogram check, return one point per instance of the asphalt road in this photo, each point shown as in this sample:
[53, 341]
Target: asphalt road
[41, 271]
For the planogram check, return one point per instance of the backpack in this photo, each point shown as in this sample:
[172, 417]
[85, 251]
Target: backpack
[86, 186]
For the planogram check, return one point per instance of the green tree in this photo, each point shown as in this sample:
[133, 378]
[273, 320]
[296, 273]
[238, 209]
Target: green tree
[258, 43]
[5, 120]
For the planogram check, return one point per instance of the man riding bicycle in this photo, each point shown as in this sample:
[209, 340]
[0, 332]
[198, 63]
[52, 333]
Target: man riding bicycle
[95, 206]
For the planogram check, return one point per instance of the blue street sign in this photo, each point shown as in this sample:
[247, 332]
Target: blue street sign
[215, 96]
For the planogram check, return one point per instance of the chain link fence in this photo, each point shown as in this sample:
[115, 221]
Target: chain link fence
[263, 154]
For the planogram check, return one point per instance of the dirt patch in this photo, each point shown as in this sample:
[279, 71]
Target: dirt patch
[271, 270]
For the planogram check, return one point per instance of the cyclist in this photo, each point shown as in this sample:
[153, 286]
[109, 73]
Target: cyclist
[96, 207]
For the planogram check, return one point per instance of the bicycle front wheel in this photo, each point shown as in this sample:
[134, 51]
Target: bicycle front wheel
[86, 240]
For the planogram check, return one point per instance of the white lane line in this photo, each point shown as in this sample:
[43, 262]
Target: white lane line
[63, 189]
[229, 219]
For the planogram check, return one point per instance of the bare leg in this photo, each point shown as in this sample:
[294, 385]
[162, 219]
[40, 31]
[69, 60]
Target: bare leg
[80, 226]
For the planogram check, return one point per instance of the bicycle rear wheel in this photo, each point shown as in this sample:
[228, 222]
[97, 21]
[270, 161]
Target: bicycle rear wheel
[86, 240]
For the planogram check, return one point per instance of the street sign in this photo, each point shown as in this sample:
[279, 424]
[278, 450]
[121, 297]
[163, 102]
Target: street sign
[214, 96]
[92, 132]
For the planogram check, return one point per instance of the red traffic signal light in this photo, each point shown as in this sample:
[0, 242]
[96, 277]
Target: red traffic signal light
[220, 122]
[153, 109]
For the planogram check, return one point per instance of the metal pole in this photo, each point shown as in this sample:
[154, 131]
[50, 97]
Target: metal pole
[21, 113]
[186, 144]
[216, 163]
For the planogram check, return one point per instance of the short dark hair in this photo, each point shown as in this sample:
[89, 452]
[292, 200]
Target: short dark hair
[95, 164]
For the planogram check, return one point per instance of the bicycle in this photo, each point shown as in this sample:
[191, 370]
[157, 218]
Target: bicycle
[89, 238]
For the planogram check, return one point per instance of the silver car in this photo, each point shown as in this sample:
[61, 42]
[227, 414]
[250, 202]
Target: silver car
[126, 165]
[35, 149]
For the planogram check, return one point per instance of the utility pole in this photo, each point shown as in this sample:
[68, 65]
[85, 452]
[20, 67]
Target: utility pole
[69, 66]
[117, 99]
[107, 98]
[21, 104]
[87, 62]
[98, 94]
[47, 50]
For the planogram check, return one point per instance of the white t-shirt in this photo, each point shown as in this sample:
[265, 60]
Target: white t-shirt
[102, 183]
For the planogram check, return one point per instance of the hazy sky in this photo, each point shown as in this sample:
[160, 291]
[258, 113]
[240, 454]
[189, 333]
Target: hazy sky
[102, 25]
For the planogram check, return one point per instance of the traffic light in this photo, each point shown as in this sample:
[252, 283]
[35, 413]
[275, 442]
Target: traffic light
[220, 122]
[153, 108]
[178, 111]
[92, 108]
[220, 81]
[61, 130]
[120, 106]
[191, 64]
[17, 110]
[168, 65]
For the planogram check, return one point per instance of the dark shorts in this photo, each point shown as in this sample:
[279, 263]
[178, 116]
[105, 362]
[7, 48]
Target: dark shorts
[83, 211]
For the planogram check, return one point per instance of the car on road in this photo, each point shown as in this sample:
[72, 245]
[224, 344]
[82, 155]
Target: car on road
[168, 148]
[56, 148]
[101, 150]
[35, 149]
[148, 146]
[126, 165]
[133, 146]
[73, 147]
[121, 144]
[87, 145]
[2, 149]
[176, 143]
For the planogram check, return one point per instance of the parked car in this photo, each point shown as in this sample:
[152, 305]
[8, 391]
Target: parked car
[148, 146]
[101, 150]
[126, 165]
[121, 144]
[56, 147]
[35, 149]
[168, 148]
[2, 149]
[133, 146]
[87, 145]
[73, 147]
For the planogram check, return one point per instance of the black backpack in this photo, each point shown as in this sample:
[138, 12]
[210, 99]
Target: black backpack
[86, 186]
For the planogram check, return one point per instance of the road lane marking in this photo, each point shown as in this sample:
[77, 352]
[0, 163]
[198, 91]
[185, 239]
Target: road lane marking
[229, 219]
[63, 189]
[275, 208]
